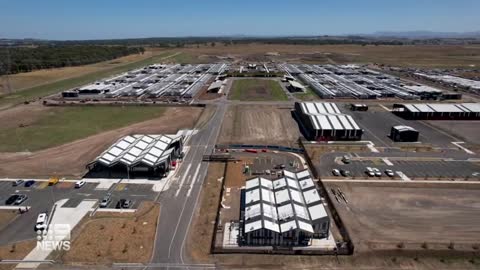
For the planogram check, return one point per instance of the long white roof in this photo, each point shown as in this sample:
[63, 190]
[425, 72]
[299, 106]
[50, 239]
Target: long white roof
[280, 205]
[150, 150]
[444, 107]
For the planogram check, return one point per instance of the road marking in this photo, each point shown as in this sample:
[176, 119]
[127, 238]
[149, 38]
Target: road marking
[194, 179]
[463, 148]
[183, 180]
[385, 108]
[372, 148]
[120, 187]
[403, 176]
[388, 162]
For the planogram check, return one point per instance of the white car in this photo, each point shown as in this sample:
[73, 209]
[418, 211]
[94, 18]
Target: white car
[336, 172]
[369, 172]
[42, 222]
[389, 173]
[80, 183]
[377, 172]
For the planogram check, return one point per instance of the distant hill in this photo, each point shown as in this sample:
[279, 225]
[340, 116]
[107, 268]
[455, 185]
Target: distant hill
[427, 34]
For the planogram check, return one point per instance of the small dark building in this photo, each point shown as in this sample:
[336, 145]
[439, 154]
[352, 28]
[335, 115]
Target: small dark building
[69, 94]
[404, 134]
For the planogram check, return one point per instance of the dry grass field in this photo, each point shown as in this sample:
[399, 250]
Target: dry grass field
[251, 124]
[70, 159]
[16, 251]
[29, 79]
[392, 217]
[115, 237]
[419, 56]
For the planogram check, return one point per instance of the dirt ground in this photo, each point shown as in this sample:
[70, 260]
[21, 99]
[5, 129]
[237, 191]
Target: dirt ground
[466, 130]
[70, 159]
[249, 124]
[383, 217]
[115, 237]
[15, 251]
[29, 79]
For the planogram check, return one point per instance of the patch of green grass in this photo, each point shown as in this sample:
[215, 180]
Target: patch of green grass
[58, 86]
[257, 90]
[59, 125]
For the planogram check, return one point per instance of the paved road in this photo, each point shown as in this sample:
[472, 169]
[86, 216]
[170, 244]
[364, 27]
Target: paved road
[181, 200]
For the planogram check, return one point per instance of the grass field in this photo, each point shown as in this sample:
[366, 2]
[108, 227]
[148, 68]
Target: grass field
[428, 56]
[257, 90]
[60, 85]
[59, 125]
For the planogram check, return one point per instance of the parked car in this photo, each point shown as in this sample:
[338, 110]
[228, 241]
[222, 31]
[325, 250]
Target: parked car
[106, 200]
[120, 203]
[336, 172]
[11, 199]
[389, 173]
[53, 181]
[127, 204]
[280, 166]
[345, 173]
[377, 172]
[42, 221]
[123, 203]
[369, 172]
[80, 183]
[20, 199]
[17, 182]
[29, 183]
[346, 159]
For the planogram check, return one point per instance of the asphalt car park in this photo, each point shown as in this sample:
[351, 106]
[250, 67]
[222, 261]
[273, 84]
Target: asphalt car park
[42, 197]
[377, 126]
[269, 161]
[413, 168]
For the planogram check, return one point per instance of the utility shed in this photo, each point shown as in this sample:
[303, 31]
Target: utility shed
[404, 134]
[287, 211]
[325, 122]
[438, 111]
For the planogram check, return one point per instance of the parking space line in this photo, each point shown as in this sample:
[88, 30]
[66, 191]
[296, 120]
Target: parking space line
[183, 180]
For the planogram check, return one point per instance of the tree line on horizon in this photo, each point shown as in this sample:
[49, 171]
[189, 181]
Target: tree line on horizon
[24, 59]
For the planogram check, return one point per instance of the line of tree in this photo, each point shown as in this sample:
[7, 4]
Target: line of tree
[24, 59]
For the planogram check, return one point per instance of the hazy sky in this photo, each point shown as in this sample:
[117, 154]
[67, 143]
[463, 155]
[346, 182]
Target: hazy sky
[97, 19]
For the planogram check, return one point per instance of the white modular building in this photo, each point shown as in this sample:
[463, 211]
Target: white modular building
[283, 212]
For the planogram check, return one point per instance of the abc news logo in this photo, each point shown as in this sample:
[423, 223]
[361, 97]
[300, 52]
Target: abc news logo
[55, 237]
